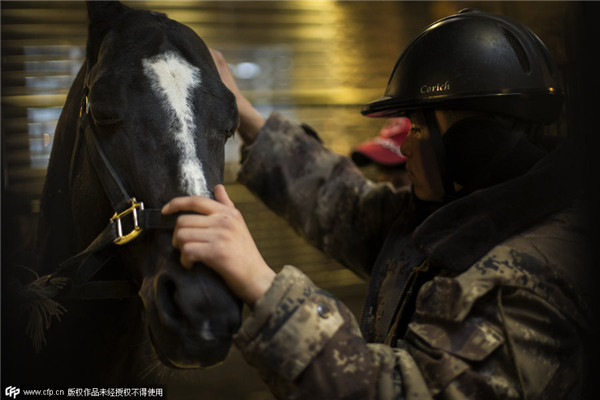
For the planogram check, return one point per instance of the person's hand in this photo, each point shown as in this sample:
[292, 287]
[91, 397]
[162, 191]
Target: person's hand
[250, 119]
[218, 237]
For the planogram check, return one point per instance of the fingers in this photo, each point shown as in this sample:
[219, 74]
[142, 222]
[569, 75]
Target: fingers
[217, 56]
[224, 72]
[199, 204]
[199, 228]
[222, 196]
[187, 203]
[195, 236]
[188, 234]
[214, 223]
[191, 253]
[219, 60]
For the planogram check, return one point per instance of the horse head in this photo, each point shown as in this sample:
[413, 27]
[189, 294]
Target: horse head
[156, 110]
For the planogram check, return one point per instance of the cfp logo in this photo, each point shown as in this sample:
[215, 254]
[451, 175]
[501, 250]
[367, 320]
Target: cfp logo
[12, 391]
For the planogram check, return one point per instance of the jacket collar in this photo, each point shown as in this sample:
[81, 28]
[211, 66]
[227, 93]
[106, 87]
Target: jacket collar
[461, 232]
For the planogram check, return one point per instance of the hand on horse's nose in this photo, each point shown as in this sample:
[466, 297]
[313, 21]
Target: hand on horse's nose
[220, 238]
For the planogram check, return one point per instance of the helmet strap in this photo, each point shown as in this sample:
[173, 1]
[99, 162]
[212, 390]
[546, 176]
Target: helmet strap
[438, 147]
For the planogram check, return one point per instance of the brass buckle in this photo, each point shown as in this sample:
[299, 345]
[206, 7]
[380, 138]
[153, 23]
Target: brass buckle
[133, 210]
[86, 106]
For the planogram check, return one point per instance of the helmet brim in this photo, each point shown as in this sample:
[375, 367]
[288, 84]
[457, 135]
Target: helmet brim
[524, 105]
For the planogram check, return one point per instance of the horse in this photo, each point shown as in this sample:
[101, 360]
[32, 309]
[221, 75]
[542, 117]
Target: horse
[146, 120]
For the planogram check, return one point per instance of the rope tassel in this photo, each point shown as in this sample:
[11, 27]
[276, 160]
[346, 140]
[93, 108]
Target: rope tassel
[38, 304]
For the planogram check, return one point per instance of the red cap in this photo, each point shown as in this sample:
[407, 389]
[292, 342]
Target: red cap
[385, 148]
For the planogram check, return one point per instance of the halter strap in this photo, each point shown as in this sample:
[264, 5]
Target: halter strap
[82, 267]
[113, 187]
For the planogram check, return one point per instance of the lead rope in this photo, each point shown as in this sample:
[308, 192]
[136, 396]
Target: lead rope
[511, 344]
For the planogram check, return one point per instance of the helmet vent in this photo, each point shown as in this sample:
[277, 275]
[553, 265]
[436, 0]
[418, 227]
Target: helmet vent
[547, 58]
[516, 45]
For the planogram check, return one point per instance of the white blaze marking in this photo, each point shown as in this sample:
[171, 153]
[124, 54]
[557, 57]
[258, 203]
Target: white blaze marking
[173, 78]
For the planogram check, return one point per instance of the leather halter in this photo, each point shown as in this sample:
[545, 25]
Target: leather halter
[84, 265]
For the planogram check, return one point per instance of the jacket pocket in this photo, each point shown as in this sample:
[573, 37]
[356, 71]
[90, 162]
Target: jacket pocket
[444, 350]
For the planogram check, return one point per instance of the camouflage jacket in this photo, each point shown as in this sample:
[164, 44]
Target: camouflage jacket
[480, 300]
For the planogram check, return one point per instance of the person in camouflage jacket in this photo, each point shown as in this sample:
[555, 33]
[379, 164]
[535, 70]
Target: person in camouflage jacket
[480, 295]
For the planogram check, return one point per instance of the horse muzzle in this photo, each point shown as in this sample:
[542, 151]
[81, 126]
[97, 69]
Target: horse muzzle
[192, 316]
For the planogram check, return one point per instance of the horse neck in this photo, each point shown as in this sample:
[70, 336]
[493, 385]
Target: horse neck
[56, 239]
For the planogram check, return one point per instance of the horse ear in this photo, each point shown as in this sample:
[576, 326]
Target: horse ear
[104, 12]
[102, 15]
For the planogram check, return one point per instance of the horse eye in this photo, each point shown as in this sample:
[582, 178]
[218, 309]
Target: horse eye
[103, 117]
[105, 102]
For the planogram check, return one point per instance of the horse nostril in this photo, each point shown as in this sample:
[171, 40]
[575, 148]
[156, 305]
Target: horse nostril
[178, 310]
[193, 303]
[192, 316]
[168, 303]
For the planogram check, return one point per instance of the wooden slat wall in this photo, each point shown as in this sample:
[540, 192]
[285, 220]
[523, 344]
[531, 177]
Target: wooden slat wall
[319, 62]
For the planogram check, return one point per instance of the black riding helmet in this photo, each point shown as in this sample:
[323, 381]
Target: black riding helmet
[472, 61]
[477, 61]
